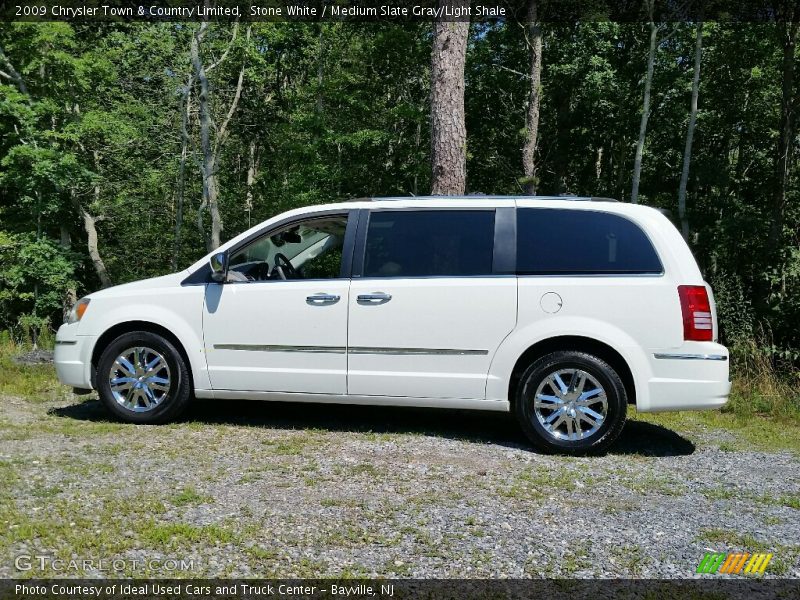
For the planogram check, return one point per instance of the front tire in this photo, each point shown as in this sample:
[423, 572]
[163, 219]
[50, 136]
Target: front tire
[142, 378]
[572, 403]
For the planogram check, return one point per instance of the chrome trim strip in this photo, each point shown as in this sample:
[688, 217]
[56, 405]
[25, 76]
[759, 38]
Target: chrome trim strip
[353, 350]
[721, 357]
[66, 342]
[279, 348]
[416, 351]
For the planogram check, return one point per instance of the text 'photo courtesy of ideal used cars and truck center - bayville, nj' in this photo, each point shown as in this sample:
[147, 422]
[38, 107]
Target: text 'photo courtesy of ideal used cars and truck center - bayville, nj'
[435, 299]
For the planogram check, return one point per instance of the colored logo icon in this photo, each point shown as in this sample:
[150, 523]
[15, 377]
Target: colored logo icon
[737, 563]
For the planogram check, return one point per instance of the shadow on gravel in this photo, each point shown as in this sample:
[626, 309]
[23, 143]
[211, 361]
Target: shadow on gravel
[476, 426]
[648, 439]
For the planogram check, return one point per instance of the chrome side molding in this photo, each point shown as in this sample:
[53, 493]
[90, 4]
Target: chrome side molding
[277, 348]
[669, 356]
[352, 350]
[416, 351]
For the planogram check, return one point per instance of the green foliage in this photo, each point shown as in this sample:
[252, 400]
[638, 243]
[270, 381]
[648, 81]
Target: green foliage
[765, 381]
[34, 276]
[734, 308]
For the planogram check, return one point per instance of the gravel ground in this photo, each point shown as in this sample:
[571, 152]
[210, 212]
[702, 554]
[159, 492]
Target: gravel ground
[264, 489]
[34, 357]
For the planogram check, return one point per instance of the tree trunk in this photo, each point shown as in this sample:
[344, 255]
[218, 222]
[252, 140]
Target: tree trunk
[207, 164]
[209, 148]
[448, 127]
[598, 166]
[320, 69]
[70, 294]
[561, 151]
[181, 187]
[687, 152]
[637, 162]
[252, 171]
[89, 225]
[91, 243]
[788, 29]
[534, 99]
[417, 140]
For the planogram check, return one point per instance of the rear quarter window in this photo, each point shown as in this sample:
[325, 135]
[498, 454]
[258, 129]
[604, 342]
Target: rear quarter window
[582, 242]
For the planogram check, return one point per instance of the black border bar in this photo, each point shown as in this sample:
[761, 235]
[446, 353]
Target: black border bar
[749, 588]
[397, 10]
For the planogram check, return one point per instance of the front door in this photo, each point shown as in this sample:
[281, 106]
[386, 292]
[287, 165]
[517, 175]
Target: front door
[427, 310]
[279, 322]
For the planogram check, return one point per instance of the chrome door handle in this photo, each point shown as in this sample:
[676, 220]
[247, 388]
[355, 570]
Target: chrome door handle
[374, 298]
[319, 299]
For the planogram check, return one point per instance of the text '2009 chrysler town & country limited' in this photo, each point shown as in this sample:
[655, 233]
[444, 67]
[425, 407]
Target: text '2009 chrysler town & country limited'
[562, 310]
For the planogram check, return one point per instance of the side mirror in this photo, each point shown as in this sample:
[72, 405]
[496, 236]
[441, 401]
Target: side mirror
[219, 266]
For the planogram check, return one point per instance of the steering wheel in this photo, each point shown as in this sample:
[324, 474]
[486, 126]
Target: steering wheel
[284, 268]
[259, 272]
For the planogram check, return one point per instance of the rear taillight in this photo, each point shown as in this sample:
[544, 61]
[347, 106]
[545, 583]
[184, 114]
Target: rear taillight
[698, 324]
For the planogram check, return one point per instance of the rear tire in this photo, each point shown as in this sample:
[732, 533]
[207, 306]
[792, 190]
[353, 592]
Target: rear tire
[142, 378]
[571, 402]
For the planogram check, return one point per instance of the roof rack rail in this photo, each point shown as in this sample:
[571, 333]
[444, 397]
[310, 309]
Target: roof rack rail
[565, 197]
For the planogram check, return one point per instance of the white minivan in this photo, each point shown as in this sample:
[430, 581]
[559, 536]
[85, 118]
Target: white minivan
[562, 310]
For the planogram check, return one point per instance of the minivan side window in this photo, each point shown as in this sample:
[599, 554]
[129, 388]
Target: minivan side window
[310, 249]
[581, 242]
[429, 243]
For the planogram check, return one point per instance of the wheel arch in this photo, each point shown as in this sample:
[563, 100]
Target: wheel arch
[576, 343]
[113, 332]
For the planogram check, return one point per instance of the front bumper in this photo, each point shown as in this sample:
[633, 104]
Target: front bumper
[73, 356]
[696, 377]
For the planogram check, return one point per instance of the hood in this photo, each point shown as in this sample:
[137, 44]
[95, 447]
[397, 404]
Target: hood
[143, 285]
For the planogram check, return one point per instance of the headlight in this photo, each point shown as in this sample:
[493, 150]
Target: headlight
[77, 312]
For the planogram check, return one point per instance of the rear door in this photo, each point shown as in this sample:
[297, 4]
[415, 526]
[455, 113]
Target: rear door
[429, 302]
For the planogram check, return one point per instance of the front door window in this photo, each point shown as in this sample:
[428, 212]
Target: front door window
[309, 250]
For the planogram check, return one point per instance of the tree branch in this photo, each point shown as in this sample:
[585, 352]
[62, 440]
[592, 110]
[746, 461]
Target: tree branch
[523, 75]
[227, 50]
[223, 130]
[13, 74]
[89, 223]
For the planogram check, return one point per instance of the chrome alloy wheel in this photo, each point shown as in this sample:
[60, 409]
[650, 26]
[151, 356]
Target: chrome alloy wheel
[139, 379]
[570, 404]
